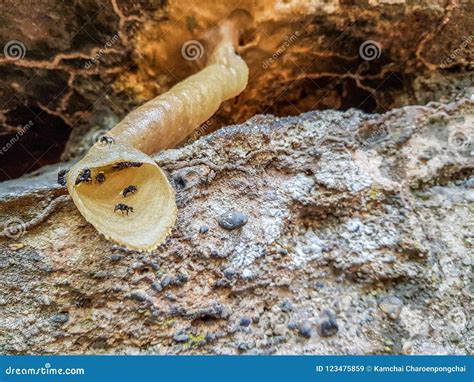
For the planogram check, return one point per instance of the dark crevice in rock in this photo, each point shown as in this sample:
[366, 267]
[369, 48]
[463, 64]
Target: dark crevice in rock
[306, 61]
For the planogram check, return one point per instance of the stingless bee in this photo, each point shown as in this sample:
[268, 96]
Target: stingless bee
[62, 177]
[100, 177]
[106, 140]
[123, 208]
[122, 165]
[129, 190]
[84, 176]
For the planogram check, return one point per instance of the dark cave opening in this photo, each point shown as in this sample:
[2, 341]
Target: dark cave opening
[292, 84]
[35, 138]
[45, 141]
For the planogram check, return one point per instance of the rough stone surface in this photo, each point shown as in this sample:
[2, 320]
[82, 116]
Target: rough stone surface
[104, 58]
[344, 208]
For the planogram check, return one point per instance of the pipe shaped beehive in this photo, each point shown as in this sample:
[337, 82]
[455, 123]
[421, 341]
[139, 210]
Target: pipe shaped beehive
[142, 219]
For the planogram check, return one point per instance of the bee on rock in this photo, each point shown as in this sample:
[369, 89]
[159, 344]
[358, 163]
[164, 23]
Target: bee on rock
[62, 177]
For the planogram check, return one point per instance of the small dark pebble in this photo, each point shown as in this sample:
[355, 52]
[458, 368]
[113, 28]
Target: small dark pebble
[204, 229]
[176, 310]
[328, 326]
[154, 265]
[305, 329]
[318, 285]
[181, 278]
[46, 267]
[279, 339]
[155, 313]
[156, 287]
[286, 305]
[210, 337]
[99, 274]
[179, 182]
[221, 283]
[60, 318]
[181, 337]
[315, 153]
[166, 281]
[218, 255]
[246, 345]
[139, 295]
[292, 325]
[232, 220]
[115, 257]
[245, 321]
[229, 272]
[170, 296]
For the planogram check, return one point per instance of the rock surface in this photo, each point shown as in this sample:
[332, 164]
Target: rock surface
[345, 209]
[82, 65]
